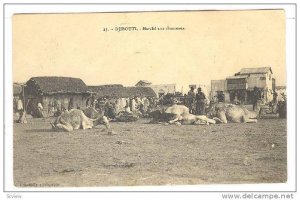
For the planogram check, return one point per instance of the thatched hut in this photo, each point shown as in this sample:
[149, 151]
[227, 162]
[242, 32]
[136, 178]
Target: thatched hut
[140, 92]
[55, 92]
[114, 91]
[118, 91]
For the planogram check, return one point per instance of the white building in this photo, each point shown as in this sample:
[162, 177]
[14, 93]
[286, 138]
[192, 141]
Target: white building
[160, 89]
[243, 83]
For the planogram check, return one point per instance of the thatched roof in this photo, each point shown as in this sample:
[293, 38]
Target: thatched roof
[117, 91]
[53, 84]
[141, 92]
[17, 89]
[109, 86]
[113, 91]
[259, 70]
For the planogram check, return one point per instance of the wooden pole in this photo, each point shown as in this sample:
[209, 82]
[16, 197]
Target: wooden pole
[24, 105]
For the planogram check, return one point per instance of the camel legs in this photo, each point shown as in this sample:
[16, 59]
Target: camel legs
[205, 119]
[211, 121]
[174, 120]
[62, 127]
[218, 120]
[178, 118]
[106, 122]
[250, 120]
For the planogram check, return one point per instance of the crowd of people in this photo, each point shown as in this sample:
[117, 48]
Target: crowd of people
[196, 101]
[112, 106]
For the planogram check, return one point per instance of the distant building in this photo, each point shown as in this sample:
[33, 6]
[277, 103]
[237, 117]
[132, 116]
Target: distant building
[217, 87]
[143, 83]
[240, 86]
[163, 89]
[160, 89]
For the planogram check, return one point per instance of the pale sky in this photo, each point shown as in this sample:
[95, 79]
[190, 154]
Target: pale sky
[214, 45]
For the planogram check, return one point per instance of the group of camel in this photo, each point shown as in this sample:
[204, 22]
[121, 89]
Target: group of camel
[175, 114]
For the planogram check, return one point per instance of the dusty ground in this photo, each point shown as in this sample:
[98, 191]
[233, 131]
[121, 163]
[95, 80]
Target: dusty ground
[150, 154]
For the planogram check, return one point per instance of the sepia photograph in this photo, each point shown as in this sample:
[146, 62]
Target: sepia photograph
[149, 98]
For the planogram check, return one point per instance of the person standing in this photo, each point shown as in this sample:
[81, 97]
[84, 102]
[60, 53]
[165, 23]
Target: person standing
[200, 102]
[21, 111]
[40, 106]
[20, 106]
[127, 107]
[221, 96]
[40, 109]
[191, 100]
[275, 102]
[133, 105]
[71, 104]
[146, 103]
[57, 105]
[256, 98]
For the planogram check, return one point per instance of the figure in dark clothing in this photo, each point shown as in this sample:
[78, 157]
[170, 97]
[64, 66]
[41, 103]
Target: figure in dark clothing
[256, 98]
[71, 104]
[109, 110]
[191, 100]
[200, 102]
[221, 96]
[275, 102]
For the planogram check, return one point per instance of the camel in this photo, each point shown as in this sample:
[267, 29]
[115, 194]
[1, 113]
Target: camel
[179, 113]
[76, 119]
[224, 113]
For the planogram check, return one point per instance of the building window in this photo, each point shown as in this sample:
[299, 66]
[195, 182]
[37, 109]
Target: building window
[262, 78]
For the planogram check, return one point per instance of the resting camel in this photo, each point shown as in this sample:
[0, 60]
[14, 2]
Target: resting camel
[179, 113]
[224, 113]
[76, 119]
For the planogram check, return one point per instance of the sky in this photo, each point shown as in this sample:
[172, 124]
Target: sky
[212, 46]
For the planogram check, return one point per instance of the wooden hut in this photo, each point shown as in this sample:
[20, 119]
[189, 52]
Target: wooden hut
[113, 91]
[140, 92]
[118, 91]
[53, 92]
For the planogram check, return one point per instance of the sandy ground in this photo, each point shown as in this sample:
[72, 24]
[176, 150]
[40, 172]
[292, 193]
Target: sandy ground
[150, 154]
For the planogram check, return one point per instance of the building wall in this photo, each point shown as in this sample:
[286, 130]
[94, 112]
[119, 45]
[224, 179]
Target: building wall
[218, 85]
[237, 84]
[263, 81]
[257, 80]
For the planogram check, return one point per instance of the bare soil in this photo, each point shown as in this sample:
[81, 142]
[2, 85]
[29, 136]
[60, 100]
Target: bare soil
[140, 153]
